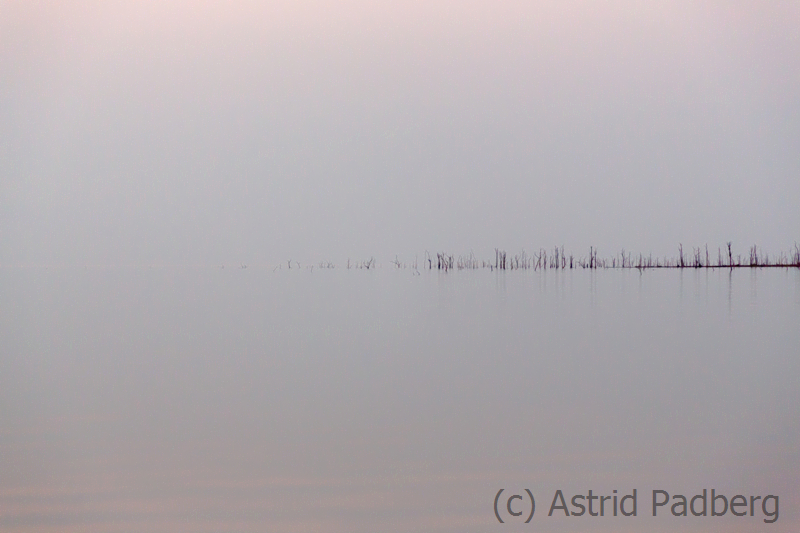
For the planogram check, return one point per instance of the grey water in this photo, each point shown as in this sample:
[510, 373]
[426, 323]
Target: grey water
[201, 399]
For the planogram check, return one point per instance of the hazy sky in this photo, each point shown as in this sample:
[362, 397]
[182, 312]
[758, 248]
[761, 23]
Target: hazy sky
[212, 132]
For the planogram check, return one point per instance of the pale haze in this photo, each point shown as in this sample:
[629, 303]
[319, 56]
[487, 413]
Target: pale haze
[214, 132]
[185, 186]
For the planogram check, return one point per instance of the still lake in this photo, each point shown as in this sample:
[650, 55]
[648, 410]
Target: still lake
[202, 399]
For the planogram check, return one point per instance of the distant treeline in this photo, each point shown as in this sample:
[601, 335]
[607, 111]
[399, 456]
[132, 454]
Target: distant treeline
[557, 258]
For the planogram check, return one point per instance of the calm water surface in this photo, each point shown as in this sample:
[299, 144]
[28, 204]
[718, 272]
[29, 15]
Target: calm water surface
[360, 401]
